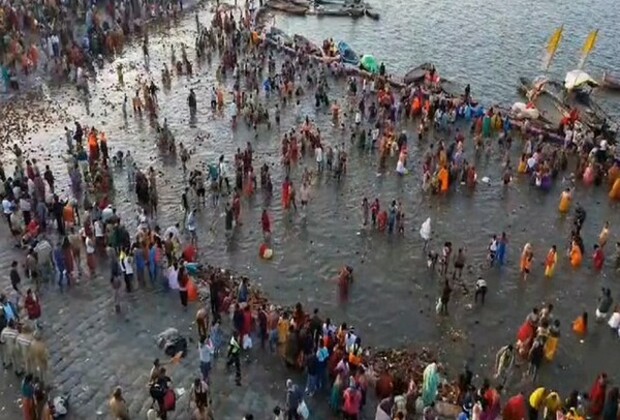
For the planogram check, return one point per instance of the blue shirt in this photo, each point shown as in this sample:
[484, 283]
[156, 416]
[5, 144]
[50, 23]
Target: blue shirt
[243, 294]
[9, 313]
[139, 259]
[59, 259]
[322, 354]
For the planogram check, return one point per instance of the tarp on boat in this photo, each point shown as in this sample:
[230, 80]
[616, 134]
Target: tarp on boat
[369, 63]
[578, 78]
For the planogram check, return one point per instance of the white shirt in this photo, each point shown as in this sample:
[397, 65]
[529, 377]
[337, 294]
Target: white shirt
[30, 186]
[614, 321]
[318, 152]
[173, 230]
[205, 352]
[17, 192]
[222, 167]
[358, 117]
[350, 341]
[128, 265]
[25, 205]
[90, 245]
[173, 278]
[107, 213]
[98, 229]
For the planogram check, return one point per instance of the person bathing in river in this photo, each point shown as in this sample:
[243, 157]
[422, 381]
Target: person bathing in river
[345, 277]
[493, 245]
[527, 256]
[501, 249]
[459, 264]
[598, 258]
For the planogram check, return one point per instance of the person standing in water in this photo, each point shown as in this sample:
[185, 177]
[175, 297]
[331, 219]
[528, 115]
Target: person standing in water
[501, 249]
[445, 298]
[459, 264]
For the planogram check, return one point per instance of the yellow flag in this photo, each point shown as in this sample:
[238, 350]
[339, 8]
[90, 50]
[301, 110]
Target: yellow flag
[552, 47]
[590, 43]
[554, 42]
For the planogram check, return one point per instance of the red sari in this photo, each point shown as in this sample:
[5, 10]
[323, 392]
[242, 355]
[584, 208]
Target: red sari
[515, 408]
[597, 395]
[286, 194]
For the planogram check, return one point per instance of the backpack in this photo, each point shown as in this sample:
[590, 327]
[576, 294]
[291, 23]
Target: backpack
[157, 392]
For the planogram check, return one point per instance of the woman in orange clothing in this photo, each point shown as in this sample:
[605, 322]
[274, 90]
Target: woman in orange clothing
[575, 255]
[416, 106]
[93, 147]
[68, 215]
[552, 259]
[443, 179]
[580, 325]
[527, 256]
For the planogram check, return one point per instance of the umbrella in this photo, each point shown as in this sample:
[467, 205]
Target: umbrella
[369, 63]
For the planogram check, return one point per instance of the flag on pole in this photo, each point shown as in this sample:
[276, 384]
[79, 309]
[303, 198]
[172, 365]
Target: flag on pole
[552, 47]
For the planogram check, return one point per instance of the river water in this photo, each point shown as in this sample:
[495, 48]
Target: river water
[392, 300]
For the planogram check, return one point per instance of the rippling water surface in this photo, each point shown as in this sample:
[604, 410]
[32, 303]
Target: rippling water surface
[488, 44]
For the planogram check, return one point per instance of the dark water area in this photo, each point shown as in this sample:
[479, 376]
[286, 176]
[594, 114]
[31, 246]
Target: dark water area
[393, 298]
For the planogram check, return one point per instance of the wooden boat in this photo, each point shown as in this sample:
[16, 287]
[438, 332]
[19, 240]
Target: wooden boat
[290, 8]
[417, 74]
[307, 45]
[554, 102]
[280, 36]
[551, 110]
[610, 82]
[353, 12]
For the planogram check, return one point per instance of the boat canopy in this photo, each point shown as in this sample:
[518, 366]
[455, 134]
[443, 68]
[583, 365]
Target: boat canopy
[578, 78]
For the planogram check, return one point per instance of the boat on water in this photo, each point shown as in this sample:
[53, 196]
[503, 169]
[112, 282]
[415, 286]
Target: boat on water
[280, 36]
[551, 110]
[610, 81]
[347, 55]
[372, 15]
[417, 74]
[354, 12]
[555, 100]
[290, 8]
[307, 45]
